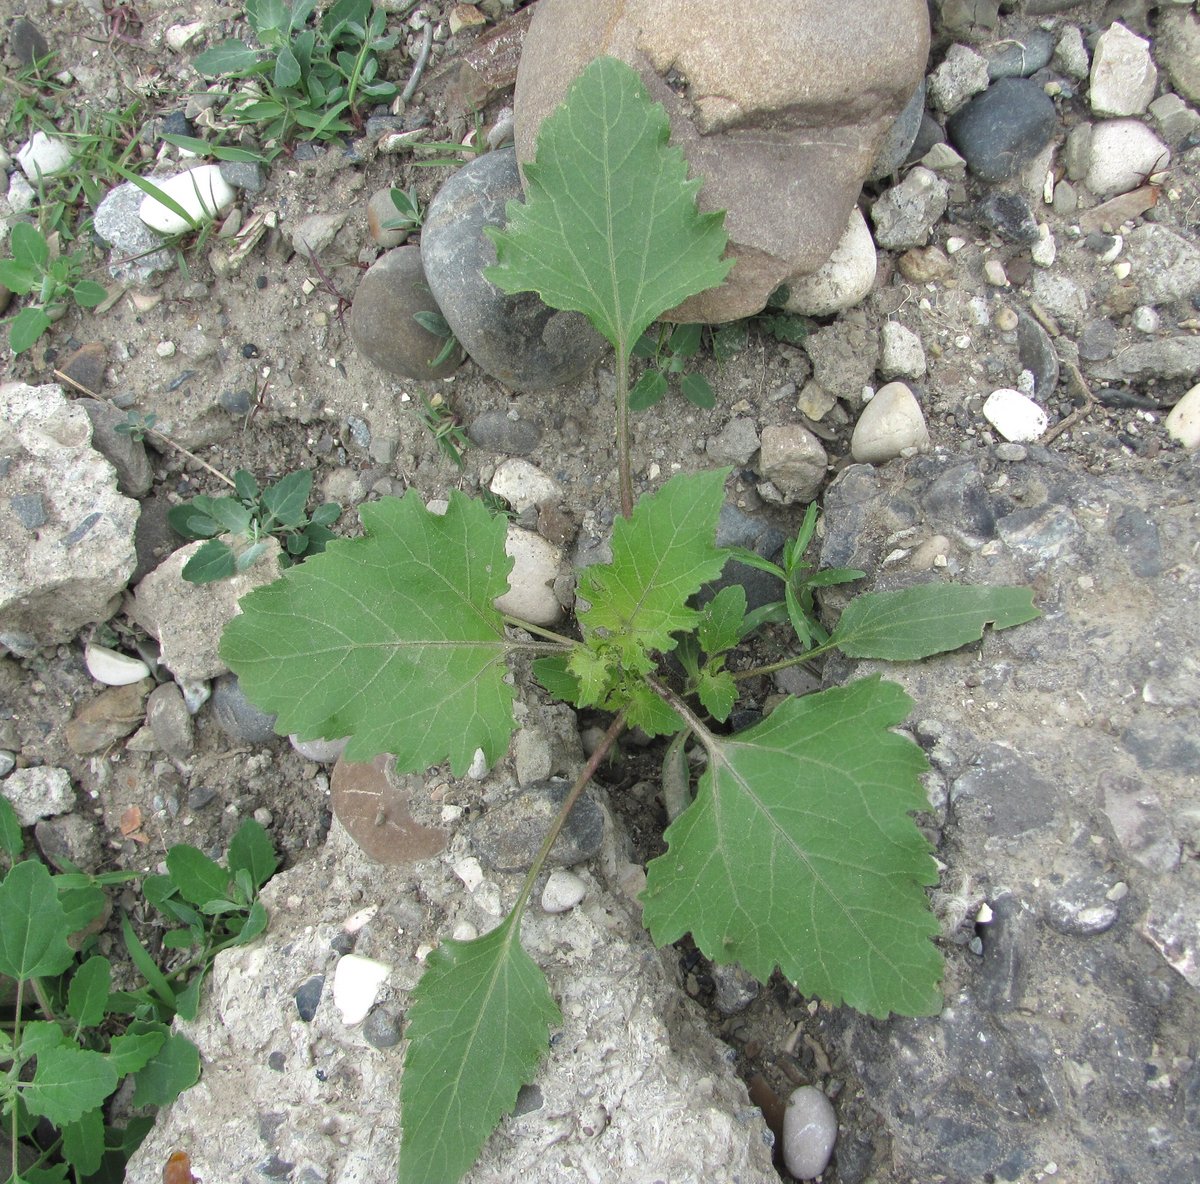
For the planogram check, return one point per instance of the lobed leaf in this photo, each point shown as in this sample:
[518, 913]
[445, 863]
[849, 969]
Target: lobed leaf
[609, 225]
[172, 1069]
[800, 852]
[929, 619]
[67, 1082]
[391, 639]
[33, 924]
[83, 1142]
[478, 1026]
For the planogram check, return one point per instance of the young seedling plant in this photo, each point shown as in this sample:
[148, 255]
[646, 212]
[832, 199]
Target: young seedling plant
[799, 850]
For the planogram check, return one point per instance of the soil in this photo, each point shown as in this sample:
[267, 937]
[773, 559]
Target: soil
[274, 328]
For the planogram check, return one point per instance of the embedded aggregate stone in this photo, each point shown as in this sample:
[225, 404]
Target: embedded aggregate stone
[382, 318]
[108, 717]
[1037, 354]
[38, 792]
[793, 460]
[1123, 75]
[500, 431]
[516, 339]
[845, 279]
[905, 215]
[536, 566]
[901, 353]
[1001, 130]
[508, 836]
[809, 1132]
[891, 425]
[1166, 265]
[137, 252]
[1183, 420]
[961, 74]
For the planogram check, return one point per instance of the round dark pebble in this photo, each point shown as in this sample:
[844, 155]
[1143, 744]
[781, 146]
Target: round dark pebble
[495, 431]
[1019, 57]
[1001, 130]
[277, 1062]
[342, 943]
[382, 1029]
[1009, 215]
[26, 42]
[260, 282]
[236, 402]
[529, 1101]
[308, 997]
[176, 124]
[1097, 341]
[249, 350]
[201, 796]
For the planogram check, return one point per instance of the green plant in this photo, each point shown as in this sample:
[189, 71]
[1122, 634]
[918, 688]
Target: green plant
[304, 82]
[668, 350]
[409, 215]
[435, 323]
[249, 517]
[135, 425]
[50, 278]
[799, 850]
[63, 1066]
[445, 427]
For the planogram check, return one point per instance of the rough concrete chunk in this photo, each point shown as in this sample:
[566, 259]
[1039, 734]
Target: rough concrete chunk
[66, 534]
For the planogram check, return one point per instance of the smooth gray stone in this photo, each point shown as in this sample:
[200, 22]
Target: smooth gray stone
[1001, 130]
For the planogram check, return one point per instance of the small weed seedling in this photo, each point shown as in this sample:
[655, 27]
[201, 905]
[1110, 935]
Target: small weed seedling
[668, 350]
[445, 428]
[409, 215]
[50, 280]
[798, 849]
[248, 518]
[58, 1070]
[304, 82]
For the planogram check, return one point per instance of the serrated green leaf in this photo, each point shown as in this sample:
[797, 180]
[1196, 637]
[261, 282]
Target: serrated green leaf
[82, 903]
[554, 676]
[661, 556]
[39, 1036]
[171, 1070]
[718, 692]
[198, 878]
[33, 924]
[12, 843]
[645, 710]
[800, 852]
[214, 560]
[27, 326]
[131, 1051]
[67, 1082]
[479, 1024]
[721, 620]
[929, 619]
[251, 848]
[391, 639]
[87, 996]
[609, 225]
[83, 1142]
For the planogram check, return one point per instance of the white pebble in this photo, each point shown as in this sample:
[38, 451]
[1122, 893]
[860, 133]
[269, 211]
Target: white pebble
[202, 192]
[1123, 76]
[361, 919]
[891, 424]
[563, 891]
[470, 872]
[43, 156]
[356, 983]
[165, 349]
[1044, 251]
[464, 931]
[1183, 421]
[1014, 415]
[1146, 319]
[993, 272]
[523, 485]
[845, 278]
[536, 563]
[901, 354]
[809, 1132]
[111, 668]
[324, 752]
[1123, 154]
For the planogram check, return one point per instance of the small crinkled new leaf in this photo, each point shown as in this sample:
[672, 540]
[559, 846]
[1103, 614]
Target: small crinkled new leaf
[721, 620]
[800, 852]
[33, 924]
[718, 692]
[645, 710]
[67, 1082]
[390, 639]
[914, 623]
[609, 225]
[661, 557]
[478, 1026]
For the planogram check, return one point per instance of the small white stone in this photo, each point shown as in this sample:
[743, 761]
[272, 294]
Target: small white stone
[179, 37]
[563, 891]
[843, 280]
[809, 1132]
[202, 192]
[523, 485]
[1183, 421]
[1146, 319]
[891, 424]
[37, 793]
[479, 766]
[1113, 249]
[196, 692]
[324, 752]
[470, 872]
[356, 983]
[1044, 251]
[464, 931]
[1122, 269]
[994, 273]
[901, 355]
[954, 244]
[43, 156]
[361, 919]
[165, 349]
[1014, 415]
[1123, 76]
[21, 195]
[111, 668]
[536, 564]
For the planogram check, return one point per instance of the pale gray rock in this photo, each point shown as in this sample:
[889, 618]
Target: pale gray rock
[844, 356]
[169, 721]
[120, 449]
[1177, 44]
[901, 353]
[792, 459]
[44, 156]
[962, 74]
[66, 570]
[1123, 75]
[1167, 357]
[828, 82]
[137, 252]
[38, 792]
[1021, 55]
[631, 1058]
[1070, 54]
[1174, 118]
[905, 215]
[809, 1132]
[736, 442]
[1123, 154]
[536, 564]
[187, 619]
[523, 485]
[314, 234]
[891, 425]
[845, 279]
[1166, 266]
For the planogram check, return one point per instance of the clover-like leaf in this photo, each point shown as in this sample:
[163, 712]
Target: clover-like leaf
[800, 852]
[391, 639]
[661, 557]
[478, 1026]
[609, 225]
[929, 619]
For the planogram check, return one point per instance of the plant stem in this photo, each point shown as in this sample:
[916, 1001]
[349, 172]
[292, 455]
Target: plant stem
[817, 652]
[623, 467]
[560, 819]
[538, 631]
[42, 998]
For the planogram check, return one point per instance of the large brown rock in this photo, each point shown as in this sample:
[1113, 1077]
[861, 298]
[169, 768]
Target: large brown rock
[780, 108]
